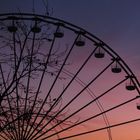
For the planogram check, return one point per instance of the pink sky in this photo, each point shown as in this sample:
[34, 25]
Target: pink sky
[117, 24]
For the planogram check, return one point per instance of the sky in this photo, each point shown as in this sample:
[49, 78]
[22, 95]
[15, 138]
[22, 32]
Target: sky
[116, 22]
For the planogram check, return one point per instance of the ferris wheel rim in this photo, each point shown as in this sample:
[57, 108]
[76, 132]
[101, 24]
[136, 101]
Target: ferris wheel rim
[95, 39]
[76, 29]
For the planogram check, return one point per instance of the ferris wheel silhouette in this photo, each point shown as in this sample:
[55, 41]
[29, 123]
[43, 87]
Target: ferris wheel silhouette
[58, 81]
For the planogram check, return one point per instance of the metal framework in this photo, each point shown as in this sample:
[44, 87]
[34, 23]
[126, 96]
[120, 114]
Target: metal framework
[58, 81]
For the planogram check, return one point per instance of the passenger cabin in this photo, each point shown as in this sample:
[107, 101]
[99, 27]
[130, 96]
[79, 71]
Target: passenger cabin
[36, 29]
[12, 28]
[99, 53]
[138, 106]
[130, 87]
[59, 33]
[80, 42]
[116, 68]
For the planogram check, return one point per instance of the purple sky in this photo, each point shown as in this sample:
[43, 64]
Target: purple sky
[116, 22]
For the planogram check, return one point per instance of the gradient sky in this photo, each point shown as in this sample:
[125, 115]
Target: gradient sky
[116, 22]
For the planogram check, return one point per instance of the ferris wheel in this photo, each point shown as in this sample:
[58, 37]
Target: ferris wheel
[58, 81]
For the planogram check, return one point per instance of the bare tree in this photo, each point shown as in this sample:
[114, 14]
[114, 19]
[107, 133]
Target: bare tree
[27, 56]
[42, 91]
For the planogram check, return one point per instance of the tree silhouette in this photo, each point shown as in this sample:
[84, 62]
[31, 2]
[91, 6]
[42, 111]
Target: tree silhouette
[24, 62]
[50, 85]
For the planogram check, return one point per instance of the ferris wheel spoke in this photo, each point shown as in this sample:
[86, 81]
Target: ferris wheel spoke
[56, 79]
[91, 93]
[15, 57]
[77, 111]
[97, 115]
[54, 84]
[40, 83]
[79, 95]
[6, 133]
[5, 136]
[6, 117]
[28, 84]
[100, 129]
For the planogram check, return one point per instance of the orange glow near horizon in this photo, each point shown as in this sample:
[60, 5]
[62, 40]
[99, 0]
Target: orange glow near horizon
[80, 91]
